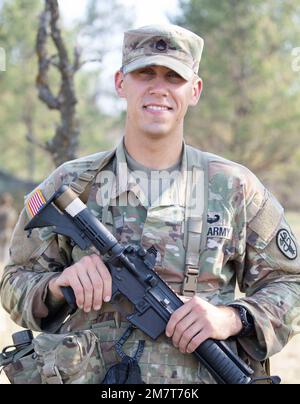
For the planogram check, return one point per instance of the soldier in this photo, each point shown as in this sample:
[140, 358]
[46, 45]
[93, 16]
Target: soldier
[213, 224]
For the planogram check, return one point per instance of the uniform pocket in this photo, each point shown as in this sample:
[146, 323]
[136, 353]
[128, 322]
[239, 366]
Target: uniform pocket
[23, 371]
[73, 358]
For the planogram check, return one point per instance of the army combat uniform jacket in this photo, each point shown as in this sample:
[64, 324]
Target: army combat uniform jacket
[234, 233]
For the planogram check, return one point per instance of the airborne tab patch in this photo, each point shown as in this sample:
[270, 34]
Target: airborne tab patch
[220, 231]
[35, 203]
[213, 218]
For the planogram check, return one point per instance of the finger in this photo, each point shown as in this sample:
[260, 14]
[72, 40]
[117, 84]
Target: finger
[77, 287]
[97, 283]
[182, 327]
[69, 278]
[197, 340]
[87, 290]
[55, 285]
[106, 277]
[176, 317]
[188, 335]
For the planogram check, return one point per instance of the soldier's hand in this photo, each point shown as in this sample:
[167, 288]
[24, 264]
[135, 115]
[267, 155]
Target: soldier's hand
[197, 320]
[90, 280]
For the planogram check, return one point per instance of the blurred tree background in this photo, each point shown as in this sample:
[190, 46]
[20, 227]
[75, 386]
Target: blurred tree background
[249, 111]
[27, 125]
[249, 107]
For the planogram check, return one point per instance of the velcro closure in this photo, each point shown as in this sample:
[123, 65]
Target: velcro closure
[267, 220]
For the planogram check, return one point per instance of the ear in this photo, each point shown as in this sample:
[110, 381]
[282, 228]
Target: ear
[196, 91]
[119, 81]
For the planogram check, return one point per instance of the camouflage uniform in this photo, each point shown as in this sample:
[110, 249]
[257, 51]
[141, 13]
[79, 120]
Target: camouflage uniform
[246, 240]
[237, 234]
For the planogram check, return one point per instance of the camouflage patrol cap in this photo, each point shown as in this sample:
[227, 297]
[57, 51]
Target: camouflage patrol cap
[162, 45]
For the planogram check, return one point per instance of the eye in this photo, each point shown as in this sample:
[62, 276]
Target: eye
[146, 72]
[174, 77]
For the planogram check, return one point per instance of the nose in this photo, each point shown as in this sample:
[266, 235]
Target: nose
[159, 87]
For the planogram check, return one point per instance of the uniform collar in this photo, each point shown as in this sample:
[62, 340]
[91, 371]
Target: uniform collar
[124, 181]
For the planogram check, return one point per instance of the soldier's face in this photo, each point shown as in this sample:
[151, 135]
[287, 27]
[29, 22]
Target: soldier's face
[157, 99]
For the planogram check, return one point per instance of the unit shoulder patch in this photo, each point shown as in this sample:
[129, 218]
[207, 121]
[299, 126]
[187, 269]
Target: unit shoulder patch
[286, 244]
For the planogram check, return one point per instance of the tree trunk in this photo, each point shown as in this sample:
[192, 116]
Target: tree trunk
[64, 144]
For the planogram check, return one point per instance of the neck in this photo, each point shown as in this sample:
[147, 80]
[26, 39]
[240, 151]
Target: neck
[158, 154]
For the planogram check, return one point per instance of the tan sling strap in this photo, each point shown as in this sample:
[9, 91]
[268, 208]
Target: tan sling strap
[195, 221]
[83, 183]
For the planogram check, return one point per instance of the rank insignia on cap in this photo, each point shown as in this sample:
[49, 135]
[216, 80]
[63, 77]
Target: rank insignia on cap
[35, 203]
[286, 244]
[161, 45]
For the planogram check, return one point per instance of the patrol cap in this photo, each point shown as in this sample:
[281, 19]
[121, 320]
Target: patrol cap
[162, 45]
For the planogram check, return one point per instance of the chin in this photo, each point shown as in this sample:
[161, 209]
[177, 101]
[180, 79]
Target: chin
[157, 132]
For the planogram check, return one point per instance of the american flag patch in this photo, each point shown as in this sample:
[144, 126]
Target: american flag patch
[35, 203]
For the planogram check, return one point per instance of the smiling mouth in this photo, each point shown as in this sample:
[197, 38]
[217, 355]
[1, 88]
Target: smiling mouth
[157, 108]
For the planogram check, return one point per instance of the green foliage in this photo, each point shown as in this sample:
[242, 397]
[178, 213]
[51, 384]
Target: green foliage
[98, 131]
[100, 32]
[250, 103]
[248, 111]
[21, 111]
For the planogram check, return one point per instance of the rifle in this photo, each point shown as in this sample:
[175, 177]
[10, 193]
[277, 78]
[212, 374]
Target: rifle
[133, 276]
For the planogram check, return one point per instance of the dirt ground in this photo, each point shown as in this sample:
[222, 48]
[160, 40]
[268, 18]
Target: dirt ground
[286, 364]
